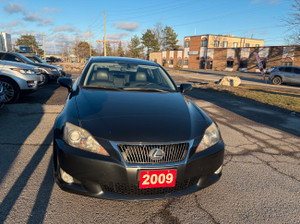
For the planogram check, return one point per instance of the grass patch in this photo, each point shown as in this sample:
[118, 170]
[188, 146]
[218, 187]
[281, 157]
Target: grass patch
[287, 99]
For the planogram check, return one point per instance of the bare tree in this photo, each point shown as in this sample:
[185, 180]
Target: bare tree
[293, 22]
[158, 31]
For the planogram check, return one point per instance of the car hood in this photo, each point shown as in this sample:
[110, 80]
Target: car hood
[19, 65]
[130, 116]
[43, 65]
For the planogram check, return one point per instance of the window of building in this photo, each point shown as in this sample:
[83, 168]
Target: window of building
[225, 43]
[171, 62]
[235, 44]
[243, 64]
[287, 63]
[247, 45]
[229, 64]
[256, 45]
[216, 43]
[209, 65]
[187, 44]
[179, 62]
[186, 62]
[204, 43]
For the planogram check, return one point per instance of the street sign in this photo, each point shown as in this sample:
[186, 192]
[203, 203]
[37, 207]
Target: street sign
[24, 49]
[193, 53]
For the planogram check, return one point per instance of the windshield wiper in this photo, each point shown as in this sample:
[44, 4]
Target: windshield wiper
[102, 87]
[145, 89]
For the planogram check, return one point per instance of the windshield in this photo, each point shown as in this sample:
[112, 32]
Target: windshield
[25, 59]
[127, 76]
[36, 59]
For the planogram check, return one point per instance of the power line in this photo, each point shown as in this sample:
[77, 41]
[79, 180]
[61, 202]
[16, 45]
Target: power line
[154, 12]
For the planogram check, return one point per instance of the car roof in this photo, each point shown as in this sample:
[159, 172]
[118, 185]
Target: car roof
[123, 60]
[286, 66]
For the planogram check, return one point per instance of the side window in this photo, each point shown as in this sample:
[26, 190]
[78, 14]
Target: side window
[10, 57]
[1, 55]
[288, 69]
[281, 69]
[297, 70]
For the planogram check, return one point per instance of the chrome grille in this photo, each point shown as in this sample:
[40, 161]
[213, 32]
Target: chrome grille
[139, 154]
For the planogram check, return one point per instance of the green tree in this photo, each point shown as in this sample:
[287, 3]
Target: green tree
[82, 50]
[109, 51]
[121, 52]
[149, 41]
[29, 40]
[135, 48]
[170, 39]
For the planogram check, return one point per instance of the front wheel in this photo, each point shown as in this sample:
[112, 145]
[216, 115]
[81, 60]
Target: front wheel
[45, 79]
[10, 90]
[276, 80]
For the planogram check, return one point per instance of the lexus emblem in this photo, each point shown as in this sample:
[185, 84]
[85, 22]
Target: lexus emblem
[156, 154]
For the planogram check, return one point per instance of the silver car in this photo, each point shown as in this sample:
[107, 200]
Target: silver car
[17, 79]
[285, 74]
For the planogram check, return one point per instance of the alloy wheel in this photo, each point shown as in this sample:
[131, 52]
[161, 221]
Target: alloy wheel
[8, 91]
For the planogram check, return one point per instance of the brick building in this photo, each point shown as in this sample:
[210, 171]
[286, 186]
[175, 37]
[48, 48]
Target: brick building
[228, 59]
[220, 41]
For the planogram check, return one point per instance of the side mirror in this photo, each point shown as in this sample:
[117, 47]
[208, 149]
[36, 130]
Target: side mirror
[185, 87]
[65, 82]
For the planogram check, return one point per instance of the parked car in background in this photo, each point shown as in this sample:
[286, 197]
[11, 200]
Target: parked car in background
[17, 79]
[48, 71]
[128, 132]
[285, 74]
[36, 59]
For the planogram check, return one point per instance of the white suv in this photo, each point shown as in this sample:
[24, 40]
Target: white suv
[18, 78]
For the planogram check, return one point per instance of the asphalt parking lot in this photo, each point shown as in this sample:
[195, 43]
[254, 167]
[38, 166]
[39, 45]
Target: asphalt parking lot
[260, 182]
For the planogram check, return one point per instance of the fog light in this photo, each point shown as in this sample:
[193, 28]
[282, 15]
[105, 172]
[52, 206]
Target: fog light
[66, 177]
[219, 170]
[31, 83]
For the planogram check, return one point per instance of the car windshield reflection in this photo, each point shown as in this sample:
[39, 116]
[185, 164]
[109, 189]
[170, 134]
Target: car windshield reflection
[128, 77]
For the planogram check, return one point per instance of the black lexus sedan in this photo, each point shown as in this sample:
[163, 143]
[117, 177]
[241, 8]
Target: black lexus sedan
[127, 132]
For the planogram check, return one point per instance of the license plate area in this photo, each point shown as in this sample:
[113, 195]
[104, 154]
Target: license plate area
[157, 178]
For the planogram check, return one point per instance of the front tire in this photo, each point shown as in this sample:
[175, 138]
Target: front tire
[10, 89]
[277, 80]
[46, 79]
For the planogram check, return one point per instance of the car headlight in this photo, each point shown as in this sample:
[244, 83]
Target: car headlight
[24, 71]
[210, 138]
[60, 68]
[79, 138]
[52, 69]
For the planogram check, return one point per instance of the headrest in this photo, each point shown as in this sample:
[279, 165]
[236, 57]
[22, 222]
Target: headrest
[140, 76]
[101, 74]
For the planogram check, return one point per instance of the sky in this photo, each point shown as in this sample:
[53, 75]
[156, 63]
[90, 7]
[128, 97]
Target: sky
[63, 22]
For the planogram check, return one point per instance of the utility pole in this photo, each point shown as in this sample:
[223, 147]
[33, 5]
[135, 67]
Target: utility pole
[44, 45]
[90, 41]
[104, 38]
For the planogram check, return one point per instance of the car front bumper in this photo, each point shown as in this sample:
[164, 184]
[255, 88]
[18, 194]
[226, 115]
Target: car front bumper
[54, 75]
[112, 179]
[28, 83]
